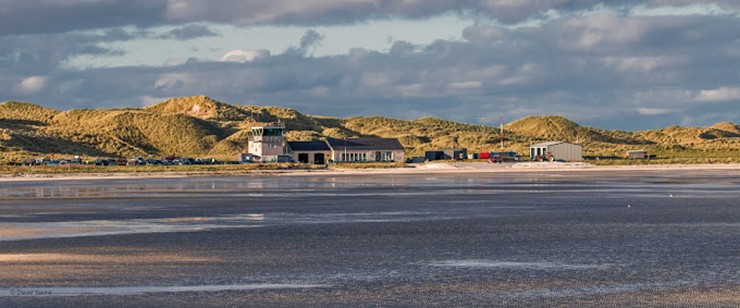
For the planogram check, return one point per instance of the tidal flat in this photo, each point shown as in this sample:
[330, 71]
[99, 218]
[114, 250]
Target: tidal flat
[577, 238]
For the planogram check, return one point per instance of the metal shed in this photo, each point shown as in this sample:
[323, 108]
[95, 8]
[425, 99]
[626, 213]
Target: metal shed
[557, 150]
[637, 154]
[435, 155]
[456, 154]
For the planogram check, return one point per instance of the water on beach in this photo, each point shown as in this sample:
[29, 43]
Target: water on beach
[533, 239]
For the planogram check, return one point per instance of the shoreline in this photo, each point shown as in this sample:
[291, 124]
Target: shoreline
[433, 168]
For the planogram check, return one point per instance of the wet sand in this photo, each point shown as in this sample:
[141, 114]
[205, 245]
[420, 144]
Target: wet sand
[426, 168]
[550, 238]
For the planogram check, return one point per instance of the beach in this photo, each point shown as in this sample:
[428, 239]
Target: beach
[427, 168]
[570, 237]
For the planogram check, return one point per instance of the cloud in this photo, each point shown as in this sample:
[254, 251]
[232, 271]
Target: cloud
[603, 69]
[484, 33]
[46, 16]
[189, 32]
[309, 40]
[170, 81]
[31, 85]
[244, 55]
[719, 95]
[327, 12]
[653, 111]
[641, 63]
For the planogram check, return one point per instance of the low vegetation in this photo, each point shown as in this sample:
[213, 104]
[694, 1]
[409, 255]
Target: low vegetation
[202, 127]
[190, 169]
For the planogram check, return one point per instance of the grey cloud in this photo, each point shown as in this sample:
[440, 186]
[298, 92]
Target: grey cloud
[189, 32]
[42, 53]
[34, 16]
[120, 34]
[317, 12]
[484, 33]
[37, 16]
[651, 76]
[39, 54]
[309, 40]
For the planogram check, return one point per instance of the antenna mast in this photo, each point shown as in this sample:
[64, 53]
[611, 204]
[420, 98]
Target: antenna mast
[501, 130]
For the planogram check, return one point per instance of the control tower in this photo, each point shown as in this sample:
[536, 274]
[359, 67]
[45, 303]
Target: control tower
[267, 141]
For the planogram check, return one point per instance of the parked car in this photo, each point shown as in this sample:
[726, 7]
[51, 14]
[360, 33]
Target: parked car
[496, 159]
[105, 162]
[184, 161]
[152, 161]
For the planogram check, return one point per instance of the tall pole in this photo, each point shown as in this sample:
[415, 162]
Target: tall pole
[501, 130]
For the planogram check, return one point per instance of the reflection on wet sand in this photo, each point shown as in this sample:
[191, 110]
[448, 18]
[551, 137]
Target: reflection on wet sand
[70, 258]
[137, 290]
[441, 240]
[544, 265]
[68, 229]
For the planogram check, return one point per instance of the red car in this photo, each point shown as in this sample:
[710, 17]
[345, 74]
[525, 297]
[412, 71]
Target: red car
[495, 159]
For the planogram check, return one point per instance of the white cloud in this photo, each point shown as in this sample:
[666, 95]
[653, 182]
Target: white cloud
[719, 95]
[640, 63]
[484, 34]
[653, 111]
[663, 96]
[603, 28]
[466, 85]
[619, 69]
[244, 55]
[147, 100]
[173, 81]
[175, 62]
[31, 85]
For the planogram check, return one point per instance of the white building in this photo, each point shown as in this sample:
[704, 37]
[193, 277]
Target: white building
[637, 154]
[366, 150]
[267, 142]
[558, 150]
[309, 152]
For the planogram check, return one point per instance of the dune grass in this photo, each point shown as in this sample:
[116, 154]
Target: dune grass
[201, 127]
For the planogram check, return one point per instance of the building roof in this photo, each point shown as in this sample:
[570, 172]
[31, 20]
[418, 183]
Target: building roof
[551, 143]
[308, 146]
[365, 144]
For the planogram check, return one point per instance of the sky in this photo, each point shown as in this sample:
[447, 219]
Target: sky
[620, 64]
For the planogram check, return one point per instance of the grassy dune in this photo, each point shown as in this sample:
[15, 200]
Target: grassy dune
[202, 127]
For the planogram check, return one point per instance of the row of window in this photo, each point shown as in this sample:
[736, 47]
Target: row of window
[379, 156]
[268, 132]
[537, 152]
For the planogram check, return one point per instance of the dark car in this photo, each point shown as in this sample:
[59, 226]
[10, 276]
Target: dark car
[152, 162]
[105, 162]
